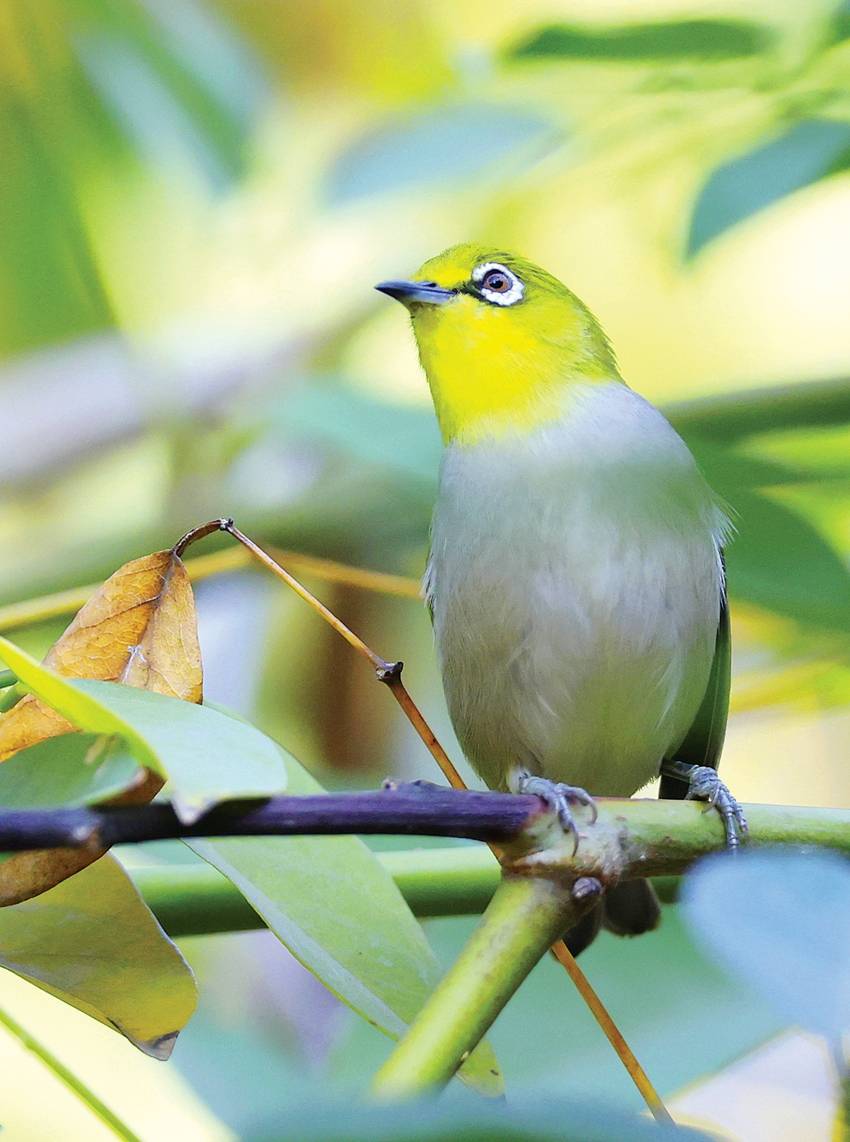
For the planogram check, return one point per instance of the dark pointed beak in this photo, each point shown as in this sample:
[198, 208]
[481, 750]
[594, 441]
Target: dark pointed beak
[416, 293]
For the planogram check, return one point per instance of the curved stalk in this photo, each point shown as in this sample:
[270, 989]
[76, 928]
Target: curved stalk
[523, 920]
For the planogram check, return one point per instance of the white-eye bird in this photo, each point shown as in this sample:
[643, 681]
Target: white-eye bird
[576, 577]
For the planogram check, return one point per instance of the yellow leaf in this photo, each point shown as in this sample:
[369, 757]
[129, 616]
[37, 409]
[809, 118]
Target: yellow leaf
[140, 629]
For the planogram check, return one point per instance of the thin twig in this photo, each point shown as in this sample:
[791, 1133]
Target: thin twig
[72, 1081]
[611, 1031]
[387, 672]
[60, 603]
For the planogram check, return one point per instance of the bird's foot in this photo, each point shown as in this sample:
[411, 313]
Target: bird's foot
[705, 785]
[558, 796]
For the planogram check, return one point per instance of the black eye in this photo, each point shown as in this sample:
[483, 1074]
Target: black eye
[497, 281]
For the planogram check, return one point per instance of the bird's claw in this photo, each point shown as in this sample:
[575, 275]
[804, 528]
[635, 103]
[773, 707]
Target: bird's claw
[705, 785]
[559, 797]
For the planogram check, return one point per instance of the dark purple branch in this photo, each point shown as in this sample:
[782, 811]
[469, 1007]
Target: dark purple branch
[418, 808]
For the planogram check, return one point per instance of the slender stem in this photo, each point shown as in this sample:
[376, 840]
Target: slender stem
[7, 678]
[330, 618]
[197, 900]
[392, 678]
[387, 672]
[456, 881]
[524, 917]
[72, 1081]
[612, 1032]
[194, 900]
[61, 603]
[196, 533]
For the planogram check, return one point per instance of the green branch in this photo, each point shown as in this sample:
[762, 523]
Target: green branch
[546, 887]
[525, 917]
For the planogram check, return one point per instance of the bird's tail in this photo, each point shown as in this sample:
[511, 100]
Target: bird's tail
[627, 909]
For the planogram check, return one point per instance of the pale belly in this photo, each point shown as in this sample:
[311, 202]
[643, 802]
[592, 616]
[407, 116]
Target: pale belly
[576, 597]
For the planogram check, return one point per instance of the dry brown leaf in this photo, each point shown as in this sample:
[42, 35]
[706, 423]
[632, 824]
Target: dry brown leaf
[140, 629]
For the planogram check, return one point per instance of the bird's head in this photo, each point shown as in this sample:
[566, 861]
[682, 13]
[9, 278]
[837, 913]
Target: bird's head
[501, 341]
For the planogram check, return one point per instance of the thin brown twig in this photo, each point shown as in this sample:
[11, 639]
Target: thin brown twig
[612, 1032]
[28, 612]
[387, 672]
[390, 674]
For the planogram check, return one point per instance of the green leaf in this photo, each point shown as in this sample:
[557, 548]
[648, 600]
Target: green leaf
[105, 85]
[780, 920]
[729, 470]
[70, 770]
[339, 912]
[93, 943]
[398, 437]
[727, 417]
[167, 82]
[839, 24]
[778, 561]
[669, 40]
[525, 1119]
[205, 756]
[435, 148]
[809, 151]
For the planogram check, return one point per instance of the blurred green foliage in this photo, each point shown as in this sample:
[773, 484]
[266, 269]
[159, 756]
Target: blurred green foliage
[763, 919]
[196, 198]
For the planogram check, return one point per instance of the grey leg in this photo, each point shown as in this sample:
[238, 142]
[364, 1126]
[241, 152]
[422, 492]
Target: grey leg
[557, 795]
[705, 785]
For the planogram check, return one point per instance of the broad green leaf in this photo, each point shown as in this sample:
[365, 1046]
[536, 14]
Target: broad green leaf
[780, 920]
[338, 911]
[92, 942]
[778, 561]
[73, 769]
[205, 755]
[681, 39]
[438, 148]
[809, 151]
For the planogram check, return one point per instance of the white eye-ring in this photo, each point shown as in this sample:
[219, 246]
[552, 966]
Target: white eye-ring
[498, 284]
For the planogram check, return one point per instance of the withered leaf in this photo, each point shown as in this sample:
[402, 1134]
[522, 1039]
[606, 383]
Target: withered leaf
[139, 628]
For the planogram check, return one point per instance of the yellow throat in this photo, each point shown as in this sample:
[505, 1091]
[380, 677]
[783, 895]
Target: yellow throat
[501, 341]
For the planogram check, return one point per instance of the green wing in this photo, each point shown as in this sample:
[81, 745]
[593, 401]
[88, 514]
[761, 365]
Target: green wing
[704, 740]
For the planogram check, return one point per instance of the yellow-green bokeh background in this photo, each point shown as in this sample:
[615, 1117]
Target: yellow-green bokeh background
[195, 201]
